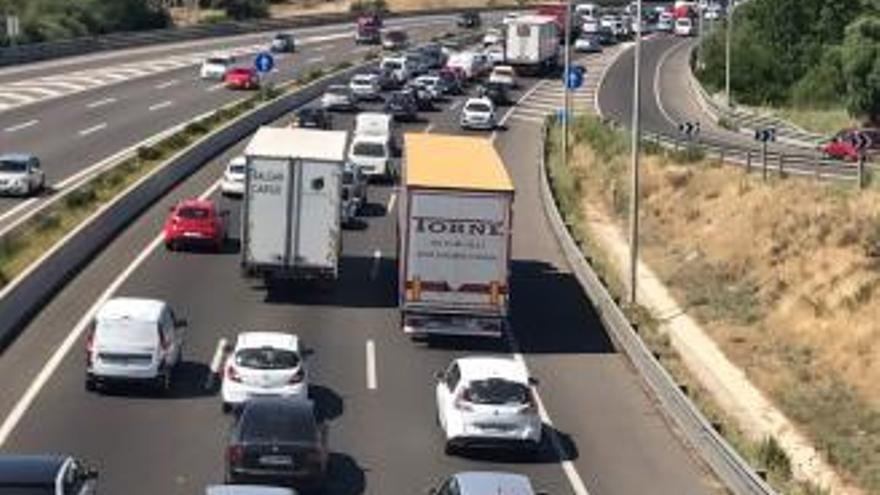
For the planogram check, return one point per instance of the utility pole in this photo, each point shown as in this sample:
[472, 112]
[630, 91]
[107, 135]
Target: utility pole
[566, 97]
[728, 28]
[636, 135]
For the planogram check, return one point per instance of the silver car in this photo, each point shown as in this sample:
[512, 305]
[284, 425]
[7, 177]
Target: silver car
[20, 175]
[484, 482]
[366, 86]
[338, 97]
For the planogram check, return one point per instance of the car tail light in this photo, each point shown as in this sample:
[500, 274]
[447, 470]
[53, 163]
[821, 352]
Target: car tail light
[530, 406]
[462, 402]
[297, 377]
[232, 374]
[235, 454]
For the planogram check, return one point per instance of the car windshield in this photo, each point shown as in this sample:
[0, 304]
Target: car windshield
[267, 358]
[193, 213]
[27, 490]
[391, 65]
[236, 169]
[338, 90]
[271, 422]
[362, 81]
[478, 107]
[374, 150]
[497, 391]
[217, 61]
[396, 36]
[12, 165]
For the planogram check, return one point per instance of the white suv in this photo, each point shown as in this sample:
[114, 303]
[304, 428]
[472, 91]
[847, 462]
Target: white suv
[263, 364]
[478, 113]
[133, 340]
[365, 86]
[20, 175]
[232, 183]
[487, 402]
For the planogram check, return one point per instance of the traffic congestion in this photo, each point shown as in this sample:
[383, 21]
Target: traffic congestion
[285, 205]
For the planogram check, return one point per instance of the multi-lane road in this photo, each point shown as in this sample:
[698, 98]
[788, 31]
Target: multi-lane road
[371, 382]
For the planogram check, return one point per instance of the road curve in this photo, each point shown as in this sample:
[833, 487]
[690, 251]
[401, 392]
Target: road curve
[384, 440]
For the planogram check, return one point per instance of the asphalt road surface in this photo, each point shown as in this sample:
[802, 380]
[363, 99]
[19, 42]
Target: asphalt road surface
[610, 439]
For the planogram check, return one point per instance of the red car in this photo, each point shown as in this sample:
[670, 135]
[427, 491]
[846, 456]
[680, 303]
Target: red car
[195, 222]
[841, 145]
[242, 78]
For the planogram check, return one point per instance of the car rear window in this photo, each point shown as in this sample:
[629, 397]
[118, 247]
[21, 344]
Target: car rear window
[13, 165]
[274, 421]
[193, 213]
[267, 358]
[478, 107]
[496, 391]
[337, 90]
[376, 150]
[236, 169]
[126, 331]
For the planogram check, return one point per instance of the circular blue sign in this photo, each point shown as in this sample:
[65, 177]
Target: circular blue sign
[264, 62]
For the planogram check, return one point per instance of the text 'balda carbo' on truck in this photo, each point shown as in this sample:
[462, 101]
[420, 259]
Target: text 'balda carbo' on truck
[290, 223]
[455, 237]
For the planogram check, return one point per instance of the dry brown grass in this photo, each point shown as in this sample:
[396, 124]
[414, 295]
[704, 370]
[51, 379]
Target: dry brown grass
[786, 277]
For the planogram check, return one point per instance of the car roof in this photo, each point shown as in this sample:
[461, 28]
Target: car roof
[133, 308]
[483, 100]
[484, 482]
[16, 156]
[280, 418]
[248, 490]
[30, 469]
[280, 340]
[475, 368]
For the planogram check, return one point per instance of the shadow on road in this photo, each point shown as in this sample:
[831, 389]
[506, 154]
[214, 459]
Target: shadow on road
[189, 381]
[328, 404]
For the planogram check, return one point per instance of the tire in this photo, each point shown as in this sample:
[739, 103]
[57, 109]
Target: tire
[91, 385]
[169, 245]
[451, 448]
[226, 408]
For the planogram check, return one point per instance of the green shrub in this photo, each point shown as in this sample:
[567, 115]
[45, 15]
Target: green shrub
[689, 154]
[196, 128]
[81, 197]
[47, 221]
[148, 153]
[215, 18]
[772, 457]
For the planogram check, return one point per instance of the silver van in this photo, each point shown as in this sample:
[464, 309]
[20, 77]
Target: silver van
[133, 340]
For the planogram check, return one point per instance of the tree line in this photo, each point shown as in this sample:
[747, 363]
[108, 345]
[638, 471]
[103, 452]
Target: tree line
[806, 53]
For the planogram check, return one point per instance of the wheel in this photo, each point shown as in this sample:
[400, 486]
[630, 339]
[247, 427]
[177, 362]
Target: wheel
[226, 408]
[91, 385]
[169, 245]
[450, 448]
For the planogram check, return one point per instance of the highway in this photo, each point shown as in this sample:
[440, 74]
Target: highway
[135, 94]
[667, 98]
[610, 439]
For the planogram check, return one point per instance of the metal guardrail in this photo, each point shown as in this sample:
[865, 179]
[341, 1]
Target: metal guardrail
[34, 52]
[730, 468]
[745, 120]
[26, 295]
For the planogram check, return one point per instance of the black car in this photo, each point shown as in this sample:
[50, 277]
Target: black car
[385, 79]
[450, 84]
[276, 439]
[283, 43]
[469, 20]
[496, 92]
[315, 118]
[46, 475]
[402, 105]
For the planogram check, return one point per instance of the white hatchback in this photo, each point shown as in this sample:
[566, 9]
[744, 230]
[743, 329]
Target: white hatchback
[214, 68]
[365, 86]
[487, 402]
[232, 183]
[478, 113]
[263, 364]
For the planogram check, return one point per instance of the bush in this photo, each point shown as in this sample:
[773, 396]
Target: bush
[360, 6]
[148, 153]
[214, 19]
[240, 10]
[772, 457]
[689, 154]
[80, 197]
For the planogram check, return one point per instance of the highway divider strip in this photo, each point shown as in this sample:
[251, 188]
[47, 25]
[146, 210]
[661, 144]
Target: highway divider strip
[730, 468]
[25, 294]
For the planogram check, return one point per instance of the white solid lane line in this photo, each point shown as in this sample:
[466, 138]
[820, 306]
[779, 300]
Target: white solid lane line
[159, 106]
[101, 103]
[371, 365]
[24, 403]
[391, 200]
[216, 362]
[374, 268]
[428, 128]
[314, 60]
[168, 84]
[22, 126]
[93, 129]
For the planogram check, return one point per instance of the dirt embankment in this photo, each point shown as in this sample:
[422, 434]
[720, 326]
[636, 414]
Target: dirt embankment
[784, 274]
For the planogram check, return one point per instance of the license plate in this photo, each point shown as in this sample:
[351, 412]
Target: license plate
[496, 426]
[276, 460]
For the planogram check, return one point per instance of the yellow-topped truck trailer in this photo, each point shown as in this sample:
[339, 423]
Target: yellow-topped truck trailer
[455, 226]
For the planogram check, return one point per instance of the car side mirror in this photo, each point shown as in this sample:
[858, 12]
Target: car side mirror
[181, 323]
[439, 375]
[533, 381]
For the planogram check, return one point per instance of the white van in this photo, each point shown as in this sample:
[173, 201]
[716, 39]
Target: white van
[471, 64]
[372, 148]
[133, 340]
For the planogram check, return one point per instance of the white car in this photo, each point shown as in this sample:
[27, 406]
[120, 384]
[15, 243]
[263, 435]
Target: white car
[400, 68]
[372, 154]
[495, 54]
[215, 68]
[338, 97]
[263, 364]
[588, 43]
[503, 74]
[365, 86]
[478, 113]
[20, 175]
[684, 26]
[133, 340]
[493, 37]
[430, 84]
[590, 25]
[487, 402]
[232, 183]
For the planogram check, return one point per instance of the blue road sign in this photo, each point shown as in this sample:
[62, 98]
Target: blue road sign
[574, 79]
[264, 62]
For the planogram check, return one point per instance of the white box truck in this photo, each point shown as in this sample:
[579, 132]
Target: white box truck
[532, 44]
[455, 234]
[291, 212]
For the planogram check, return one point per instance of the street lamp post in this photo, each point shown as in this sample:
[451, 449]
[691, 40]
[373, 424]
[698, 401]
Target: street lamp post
[636, 133]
